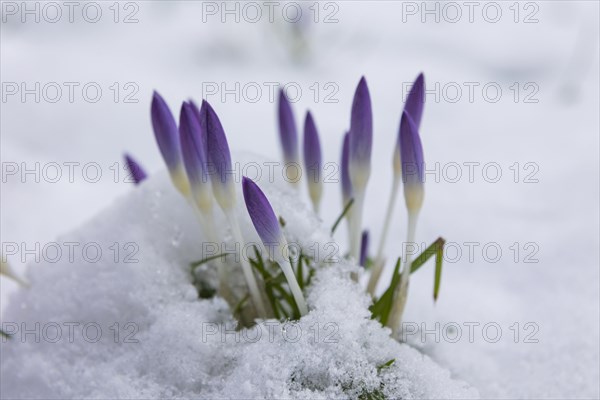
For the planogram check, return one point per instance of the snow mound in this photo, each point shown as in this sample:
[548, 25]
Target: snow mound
[129, 324]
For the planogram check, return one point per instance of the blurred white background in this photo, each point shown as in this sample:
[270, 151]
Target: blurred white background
[542, 55]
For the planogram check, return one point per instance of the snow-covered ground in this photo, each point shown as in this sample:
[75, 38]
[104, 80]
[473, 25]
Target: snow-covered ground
[546, 120]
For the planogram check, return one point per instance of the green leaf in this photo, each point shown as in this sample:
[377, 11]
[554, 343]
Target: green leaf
[436, 248]
[4, 334]
[439, 257]
[374, 395]
[240, 304]
[426, 254]
[339, 219]
[385, 365]
[383, 306]
[300, 272]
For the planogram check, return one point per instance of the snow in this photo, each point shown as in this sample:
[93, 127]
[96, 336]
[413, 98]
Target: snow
[187, 347]
[170, 50]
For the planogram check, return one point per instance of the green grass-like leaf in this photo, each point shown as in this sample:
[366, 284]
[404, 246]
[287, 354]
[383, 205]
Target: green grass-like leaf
[385, 365]
[383, 306]
[339, 219]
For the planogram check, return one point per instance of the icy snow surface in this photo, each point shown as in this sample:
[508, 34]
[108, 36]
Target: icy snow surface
[183, 348]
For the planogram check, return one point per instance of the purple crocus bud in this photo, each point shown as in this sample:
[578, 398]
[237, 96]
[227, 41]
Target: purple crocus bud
[312, 160]
[193, 149]
[416, 100]
[345, 173]
[219, 157]
[287, 129]
[289, 139]
[267, 226]
[361, 136]
[262, 216]
[411, 153]
[364, 248]
[137, 172]
[167, 137]
[414, 107]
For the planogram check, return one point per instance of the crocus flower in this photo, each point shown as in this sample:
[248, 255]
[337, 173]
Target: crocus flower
[361, 136]
[167, 137]
[193, 148]
[413, 178]
[416, 100]
[345, 174]
[414, 107]
[364, 248]
[312, 161]
[411, 153]
[137, 172]
[288, 134]
[267, 226]
[359, 158]
[219, 157]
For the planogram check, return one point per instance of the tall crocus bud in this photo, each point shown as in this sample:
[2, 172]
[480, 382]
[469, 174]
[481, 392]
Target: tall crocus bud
[223, 186]
[414, 108]
[359, 157]
[267, 226]
[288, 136]
[345, 173]
[167, 137]
[193, 149]
[364, 248]
[312, 161]
[411, 153]
[415, 102]
[413, 178]
[219, 157]
[137, 172]
[361, 136]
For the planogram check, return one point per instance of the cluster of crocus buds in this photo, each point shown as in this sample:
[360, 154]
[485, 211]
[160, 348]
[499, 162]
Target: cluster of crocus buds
[200, 142]
[199, 162]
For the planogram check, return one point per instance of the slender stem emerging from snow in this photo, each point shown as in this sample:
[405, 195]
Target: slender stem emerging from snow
[402, 292]
[286, 267]
[359, 197]
[207, 221]
[250, 279]
[379, 259]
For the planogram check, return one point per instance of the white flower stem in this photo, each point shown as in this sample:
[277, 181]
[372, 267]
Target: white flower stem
[246, 268]
[316, 205]
[207, 221]
[379, 258]
[402, 291]
[286, 267]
